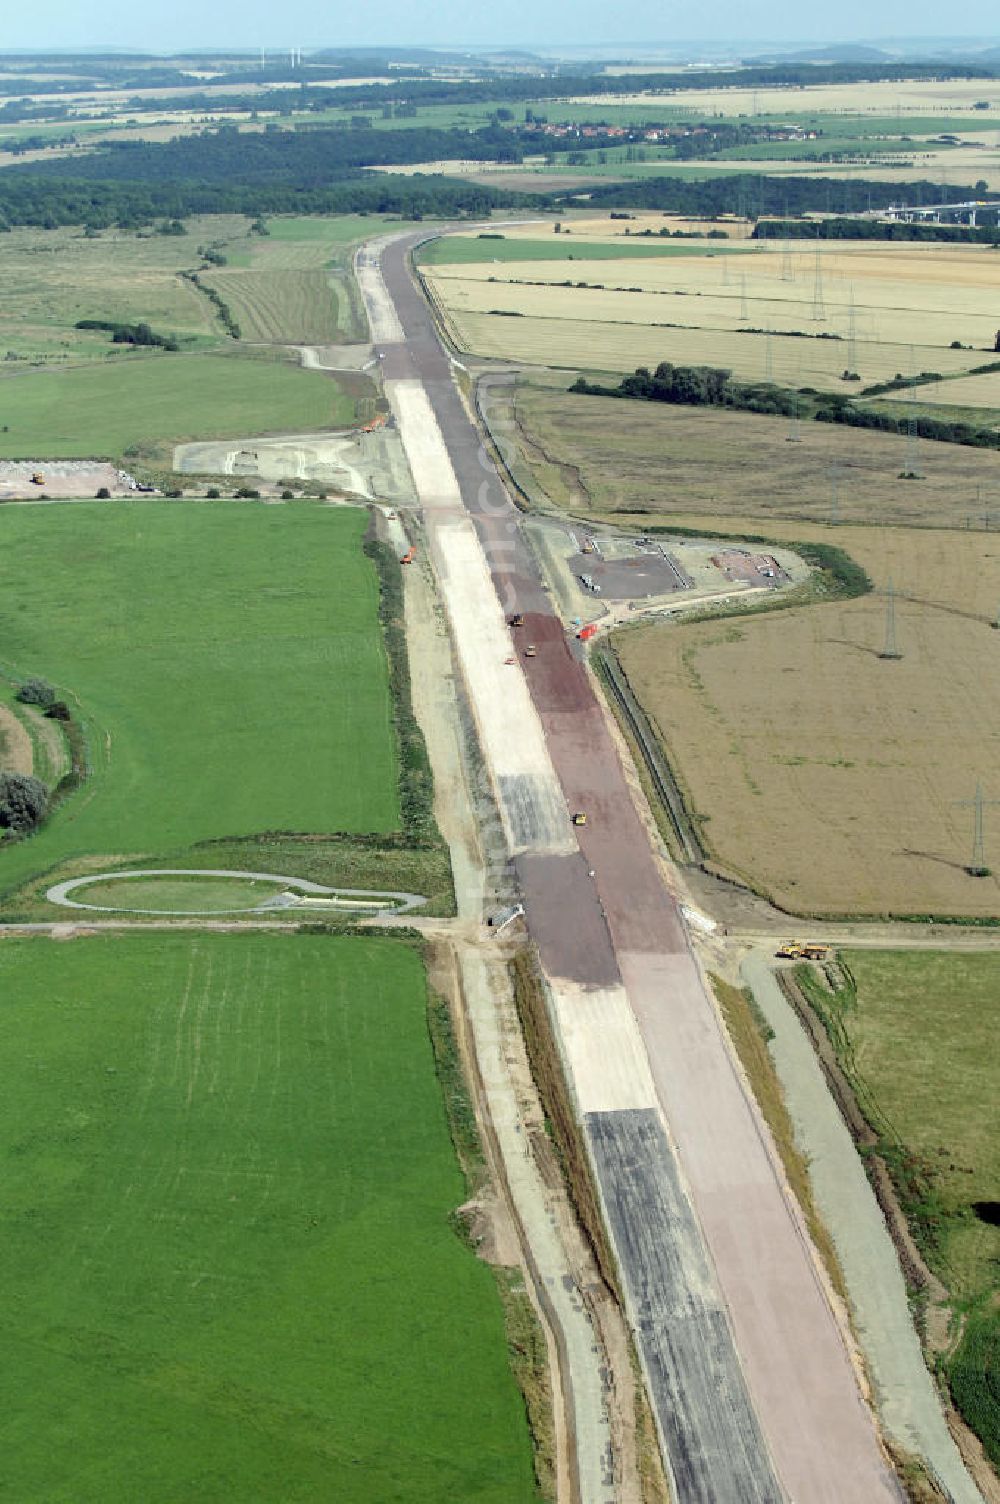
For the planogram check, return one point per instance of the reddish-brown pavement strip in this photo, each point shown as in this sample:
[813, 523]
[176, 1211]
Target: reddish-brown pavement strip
[641, 914]
[804, 1389]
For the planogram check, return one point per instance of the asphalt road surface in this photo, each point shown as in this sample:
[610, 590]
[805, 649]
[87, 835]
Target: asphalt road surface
[754, 1391]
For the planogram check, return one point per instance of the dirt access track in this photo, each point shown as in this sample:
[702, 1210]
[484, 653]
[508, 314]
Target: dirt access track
[750, 1377]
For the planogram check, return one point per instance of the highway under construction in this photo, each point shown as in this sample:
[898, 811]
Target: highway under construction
[753, 1380]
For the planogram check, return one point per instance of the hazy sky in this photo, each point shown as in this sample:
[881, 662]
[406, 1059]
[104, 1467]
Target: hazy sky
[167, 24]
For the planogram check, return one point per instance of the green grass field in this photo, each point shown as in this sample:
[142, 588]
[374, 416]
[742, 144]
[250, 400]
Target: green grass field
[102, 411]
[228, 666]
[922, 1036]
[280, 306]
[52, 278]
[293, 285]
[227, 1268]
[178, 895]
[458, 250]
[338, 229]
[918, 1033]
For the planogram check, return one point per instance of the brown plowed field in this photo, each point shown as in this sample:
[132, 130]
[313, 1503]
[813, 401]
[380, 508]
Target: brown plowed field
[825, 775]
[608, 456]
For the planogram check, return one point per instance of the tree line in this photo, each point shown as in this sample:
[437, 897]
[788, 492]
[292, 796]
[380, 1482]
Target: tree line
[874, 229]
[711, 386]
[328, 171]
[756, 196]
[48, 203]
[308, 159]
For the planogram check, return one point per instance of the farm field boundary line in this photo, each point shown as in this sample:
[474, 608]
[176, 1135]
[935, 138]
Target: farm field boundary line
[660, 772]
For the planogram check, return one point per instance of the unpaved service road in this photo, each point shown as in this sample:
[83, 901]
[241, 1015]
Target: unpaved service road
[754, 1391]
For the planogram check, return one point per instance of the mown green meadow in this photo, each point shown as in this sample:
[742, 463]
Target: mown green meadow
[225, 660]
[50, 279]
[294, 284]
[916, 1032]
[921, 1036]
[461, 250]
[227, 1269]
[102, 411]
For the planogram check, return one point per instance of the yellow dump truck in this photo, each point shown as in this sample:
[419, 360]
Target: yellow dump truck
[802, 950]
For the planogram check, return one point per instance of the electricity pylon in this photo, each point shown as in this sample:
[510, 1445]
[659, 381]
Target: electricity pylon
[889, 648]
[819, 308]
[977, 867]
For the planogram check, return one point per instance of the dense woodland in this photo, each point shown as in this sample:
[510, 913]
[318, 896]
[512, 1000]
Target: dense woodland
[307, 159]
[48, 203]
[755, 195]
[326, 171]
[873, 229]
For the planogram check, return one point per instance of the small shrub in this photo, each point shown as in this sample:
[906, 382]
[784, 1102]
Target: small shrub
[36, 692]
[247, 493]
[23, 802]
[103, 494]
[58, 711]
[213, 493]
[288, 495]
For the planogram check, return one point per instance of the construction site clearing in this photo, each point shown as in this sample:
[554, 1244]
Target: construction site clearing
[365, 462]
[601, 577]
[22, 480]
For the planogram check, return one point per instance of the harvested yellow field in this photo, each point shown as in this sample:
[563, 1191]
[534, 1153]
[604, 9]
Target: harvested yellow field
[964, 391]
[603, 228]
[824, 775]
[890, 97]
[962, 164]
[898, 295]
[590, 345]
[835, 778]
[601, 457]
